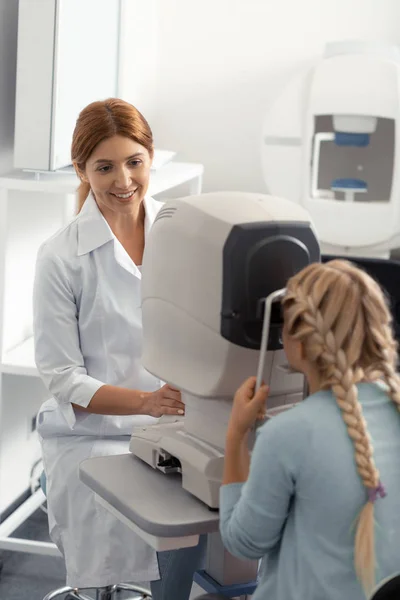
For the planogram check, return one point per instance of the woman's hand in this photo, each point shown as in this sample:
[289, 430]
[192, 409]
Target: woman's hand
[165, 401]
[248, 407]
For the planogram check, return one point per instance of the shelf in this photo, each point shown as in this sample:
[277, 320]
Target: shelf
[173, 174]
[61, 182]
[20, 360]
[66, 182]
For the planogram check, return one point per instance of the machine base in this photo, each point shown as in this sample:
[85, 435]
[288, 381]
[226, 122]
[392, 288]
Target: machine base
[171, 449]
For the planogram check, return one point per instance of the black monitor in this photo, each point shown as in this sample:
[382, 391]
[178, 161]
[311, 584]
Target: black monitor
[387, 274]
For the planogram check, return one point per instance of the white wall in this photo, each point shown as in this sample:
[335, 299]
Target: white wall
[8, 58]
[220, 61]
[138, 55]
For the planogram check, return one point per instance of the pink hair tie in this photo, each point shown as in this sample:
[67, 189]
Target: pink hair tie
[374, 493]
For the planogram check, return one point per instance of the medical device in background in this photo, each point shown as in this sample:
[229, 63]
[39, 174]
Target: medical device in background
[330, 142]
[210, 263]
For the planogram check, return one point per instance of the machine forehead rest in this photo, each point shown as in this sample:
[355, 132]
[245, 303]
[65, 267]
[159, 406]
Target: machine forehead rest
[258, 259]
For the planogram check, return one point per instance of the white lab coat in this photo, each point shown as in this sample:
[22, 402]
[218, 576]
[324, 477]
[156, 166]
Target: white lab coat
[88, 332]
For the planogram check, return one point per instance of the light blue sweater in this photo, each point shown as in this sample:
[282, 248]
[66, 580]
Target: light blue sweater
[298, 508]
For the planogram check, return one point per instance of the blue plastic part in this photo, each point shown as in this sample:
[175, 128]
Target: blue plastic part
[349, 184]
[352, 139]
[230, 591]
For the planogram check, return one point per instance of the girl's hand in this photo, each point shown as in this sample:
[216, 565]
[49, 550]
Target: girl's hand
[248, 407]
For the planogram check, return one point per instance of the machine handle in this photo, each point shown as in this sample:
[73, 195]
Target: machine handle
[273, 297]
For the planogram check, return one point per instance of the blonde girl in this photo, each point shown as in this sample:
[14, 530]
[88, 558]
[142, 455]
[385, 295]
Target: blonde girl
[320, 499]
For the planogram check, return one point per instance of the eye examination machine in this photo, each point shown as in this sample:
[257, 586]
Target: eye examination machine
[331, 140]
[210, 262]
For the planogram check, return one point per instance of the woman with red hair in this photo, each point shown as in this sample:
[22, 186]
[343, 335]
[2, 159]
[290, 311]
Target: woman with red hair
[88, 342]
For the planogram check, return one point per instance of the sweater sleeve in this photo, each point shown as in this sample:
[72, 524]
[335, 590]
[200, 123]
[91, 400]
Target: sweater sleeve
[253, 514]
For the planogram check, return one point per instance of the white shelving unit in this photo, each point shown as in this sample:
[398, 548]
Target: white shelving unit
[19, 360]
[32, 208]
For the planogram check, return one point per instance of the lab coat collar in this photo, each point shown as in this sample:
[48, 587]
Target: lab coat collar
[93, 229]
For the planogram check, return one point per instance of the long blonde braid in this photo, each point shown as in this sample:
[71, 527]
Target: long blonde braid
[340, 316]
[386, 348]
[383, 356]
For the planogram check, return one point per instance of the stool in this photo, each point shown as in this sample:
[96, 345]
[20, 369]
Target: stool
[389, 589]
[102, 593]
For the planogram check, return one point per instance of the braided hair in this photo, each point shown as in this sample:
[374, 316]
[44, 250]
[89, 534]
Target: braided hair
[341, 317]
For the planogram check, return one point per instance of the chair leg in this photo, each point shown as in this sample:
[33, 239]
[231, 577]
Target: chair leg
[60, 592]
[127, 587]
[106, 593]
[77, 595]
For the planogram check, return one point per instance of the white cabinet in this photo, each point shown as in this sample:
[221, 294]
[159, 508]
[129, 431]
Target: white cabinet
[32, 208]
